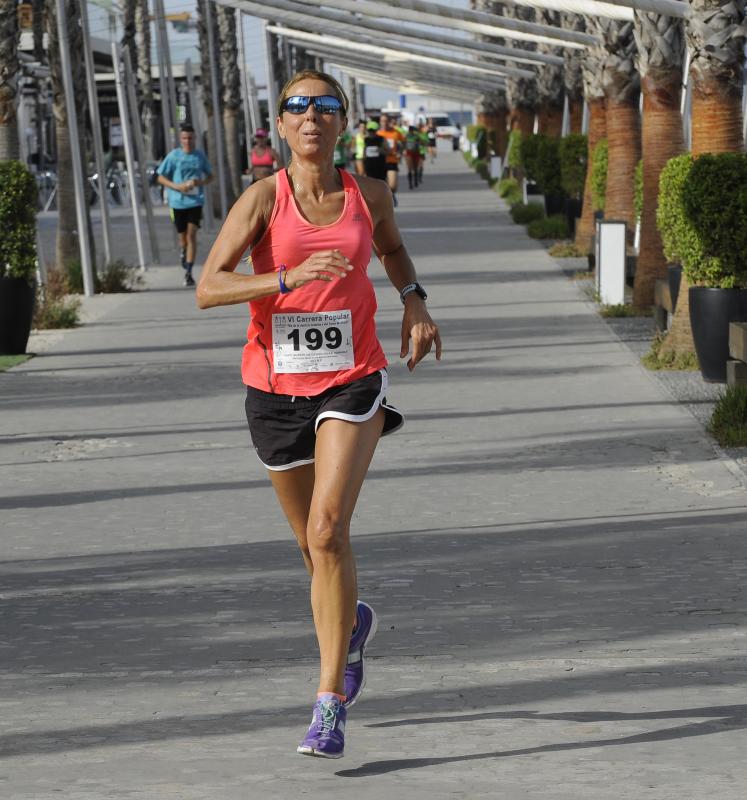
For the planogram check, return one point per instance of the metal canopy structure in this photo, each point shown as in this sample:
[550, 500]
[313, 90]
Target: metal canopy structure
[435, 14]
[621, 9]
[297, 15]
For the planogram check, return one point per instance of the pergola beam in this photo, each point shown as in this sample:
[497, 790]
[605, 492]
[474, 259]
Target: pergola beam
[394, 54]
[621, 9]
[429, 13]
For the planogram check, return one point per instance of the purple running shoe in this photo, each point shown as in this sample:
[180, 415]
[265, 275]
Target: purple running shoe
[355, 670]
[326, 735]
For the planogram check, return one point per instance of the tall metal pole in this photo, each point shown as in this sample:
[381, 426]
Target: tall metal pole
[72, 126]
[245, 97]
[214, 86]
[124, 115]
[140, 155]
[98, 144]
[195, 107]
[272, 89]
[256, 114]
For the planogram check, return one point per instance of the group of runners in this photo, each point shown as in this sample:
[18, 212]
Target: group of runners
[314, 369]
[377, 148]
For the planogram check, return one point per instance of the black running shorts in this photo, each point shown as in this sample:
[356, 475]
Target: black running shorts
[181, 217]
[283, 428]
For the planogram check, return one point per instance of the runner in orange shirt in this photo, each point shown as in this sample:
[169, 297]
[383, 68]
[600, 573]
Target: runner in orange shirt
[396, 143]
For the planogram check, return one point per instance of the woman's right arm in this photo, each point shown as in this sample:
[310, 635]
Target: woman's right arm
[221, 285]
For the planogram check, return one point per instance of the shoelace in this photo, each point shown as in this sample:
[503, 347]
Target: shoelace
[328, 717]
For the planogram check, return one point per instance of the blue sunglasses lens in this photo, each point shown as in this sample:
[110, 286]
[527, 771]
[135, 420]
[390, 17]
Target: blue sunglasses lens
[324, 104]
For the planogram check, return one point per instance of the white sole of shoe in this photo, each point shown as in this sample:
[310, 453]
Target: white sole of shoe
[309, 751]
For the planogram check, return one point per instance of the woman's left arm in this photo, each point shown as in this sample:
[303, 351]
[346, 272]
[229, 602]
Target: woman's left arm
[417, 323]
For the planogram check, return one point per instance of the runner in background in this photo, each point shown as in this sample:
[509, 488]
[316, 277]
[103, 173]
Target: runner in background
[412, 156]
[423, 136]
[432, 132]
[343, 149]
[263, 160]
[374, 152]
[395, 144]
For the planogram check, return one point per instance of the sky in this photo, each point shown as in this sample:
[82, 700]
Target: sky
[184, 45]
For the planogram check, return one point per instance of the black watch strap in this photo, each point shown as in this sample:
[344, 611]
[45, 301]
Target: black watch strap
[410, 288]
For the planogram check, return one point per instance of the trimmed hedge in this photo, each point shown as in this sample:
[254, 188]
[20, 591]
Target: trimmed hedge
[514, 153]
[677, 235]
[540, 159]
[18, 194]
[479, 135]
[523, 214]
[555, 227]
[573, 157]
[714, 199]
[599, 175]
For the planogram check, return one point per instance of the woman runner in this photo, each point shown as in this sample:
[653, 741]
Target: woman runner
[314, 368]
[262, 158]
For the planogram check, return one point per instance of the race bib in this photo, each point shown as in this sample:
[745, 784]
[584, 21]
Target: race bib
[318, 342]
[372, 151]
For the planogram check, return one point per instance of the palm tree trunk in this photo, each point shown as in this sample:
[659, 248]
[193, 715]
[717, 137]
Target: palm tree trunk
[550, 122]
[597, 131]
[231, 81]
[576, 112]
[661, 52]
[9, 68]
[144, 77]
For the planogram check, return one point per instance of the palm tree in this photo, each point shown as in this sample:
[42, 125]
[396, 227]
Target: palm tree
[715, 39]
[231, 81]
[573, 73]
[661, 53]
[9, 67]
[67, 228]
[591, 68]
[550, 83]
[522, 93]
[144, 76]
[621, 84]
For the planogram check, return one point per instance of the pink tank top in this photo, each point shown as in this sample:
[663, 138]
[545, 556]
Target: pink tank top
[322, 334]
[265, 160]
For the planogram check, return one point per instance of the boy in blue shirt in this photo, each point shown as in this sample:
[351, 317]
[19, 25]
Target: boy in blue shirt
[184, 172]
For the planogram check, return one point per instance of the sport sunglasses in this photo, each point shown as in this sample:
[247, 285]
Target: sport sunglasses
[323, 103]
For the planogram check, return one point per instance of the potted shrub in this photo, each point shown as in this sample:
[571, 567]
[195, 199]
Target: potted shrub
[706, 211]
[671, 220]
[598, 185]
[17, 255]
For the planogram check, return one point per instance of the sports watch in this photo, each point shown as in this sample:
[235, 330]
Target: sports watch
[410, 288]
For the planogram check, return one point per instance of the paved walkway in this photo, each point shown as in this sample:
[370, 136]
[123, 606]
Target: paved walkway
[556, 552]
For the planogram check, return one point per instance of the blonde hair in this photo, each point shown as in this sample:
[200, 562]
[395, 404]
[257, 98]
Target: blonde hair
[314, 74]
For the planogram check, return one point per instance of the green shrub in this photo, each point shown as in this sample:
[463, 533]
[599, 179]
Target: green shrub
[112, 279]
[638, 190]
[514, 152]
[599, 175]
[474, 131]
[574, 153]
[547, 166]
[18, 194]
[555, 227]
[714, 199]
[528, 155]
[728, 424]
[523, 214]
[624, 310]
[677, 235]
[481, 168]
[510, 191]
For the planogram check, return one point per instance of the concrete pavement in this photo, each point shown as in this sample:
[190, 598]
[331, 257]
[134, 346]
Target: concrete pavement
[555, 550]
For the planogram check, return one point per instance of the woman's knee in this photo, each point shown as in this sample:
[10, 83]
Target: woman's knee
[327, 534]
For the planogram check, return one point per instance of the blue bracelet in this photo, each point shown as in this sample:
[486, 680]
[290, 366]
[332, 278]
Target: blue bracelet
[281, 280]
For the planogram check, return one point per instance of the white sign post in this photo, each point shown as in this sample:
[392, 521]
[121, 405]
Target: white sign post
[611, 251]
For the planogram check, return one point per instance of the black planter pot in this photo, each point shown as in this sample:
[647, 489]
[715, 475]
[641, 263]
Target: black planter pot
[674, 276]
[572, 209]
[16, 311]
[711, 311]
[554, 204]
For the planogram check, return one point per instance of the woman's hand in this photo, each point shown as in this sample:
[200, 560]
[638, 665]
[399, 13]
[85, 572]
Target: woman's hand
[418, 326]
[326, 265]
